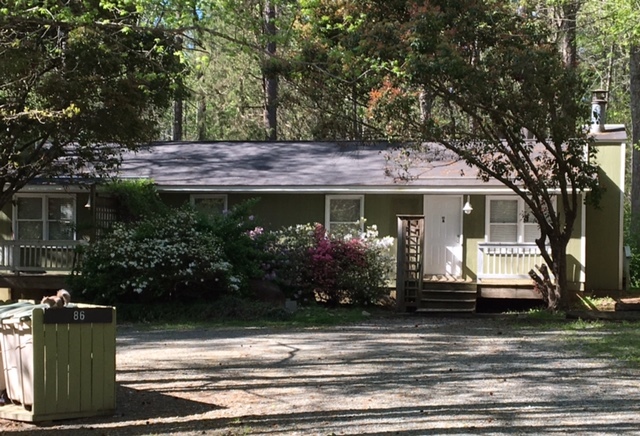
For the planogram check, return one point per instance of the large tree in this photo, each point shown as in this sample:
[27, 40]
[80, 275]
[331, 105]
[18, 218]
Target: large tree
[80, 81]
[495, 78]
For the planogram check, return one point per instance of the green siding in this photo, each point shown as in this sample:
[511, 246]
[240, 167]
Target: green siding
[382, 210]
[274, 211]
[473, 229]
[575, 263]
[604, 223]
[6, 230]
[84, 217]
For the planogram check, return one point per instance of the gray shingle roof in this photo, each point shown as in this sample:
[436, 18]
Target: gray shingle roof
[247, 166]
[302, 167]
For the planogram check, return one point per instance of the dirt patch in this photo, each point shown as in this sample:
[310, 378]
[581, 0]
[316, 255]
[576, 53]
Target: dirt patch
[411, 375]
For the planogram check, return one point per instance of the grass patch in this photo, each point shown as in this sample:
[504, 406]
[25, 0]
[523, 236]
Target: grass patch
[604, 338]
[618, 340]
[235, 312]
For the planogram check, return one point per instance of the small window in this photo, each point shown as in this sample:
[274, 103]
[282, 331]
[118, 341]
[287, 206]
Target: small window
[344, 213]
[210, 205]
[45, 218]
[503, 221]
[510, 220]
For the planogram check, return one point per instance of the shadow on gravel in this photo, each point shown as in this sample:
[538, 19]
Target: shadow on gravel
[486, 418]
[132, 405]
[413, 377]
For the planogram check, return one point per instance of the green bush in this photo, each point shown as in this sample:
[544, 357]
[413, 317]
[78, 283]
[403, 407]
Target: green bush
[632, 239]
[167, 257]
[243, 241]
[135, 199]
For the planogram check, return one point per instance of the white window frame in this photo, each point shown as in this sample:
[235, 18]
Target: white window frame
[327, 209]
[194, 197]
[520, 224]
[44, 219]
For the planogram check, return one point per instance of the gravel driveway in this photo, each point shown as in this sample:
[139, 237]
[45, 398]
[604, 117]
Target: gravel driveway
[407, 375]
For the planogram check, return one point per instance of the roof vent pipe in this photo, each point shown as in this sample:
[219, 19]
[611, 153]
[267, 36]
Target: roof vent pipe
[598, 110]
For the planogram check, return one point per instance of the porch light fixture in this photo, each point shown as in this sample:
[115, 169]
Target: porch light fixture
[467, 208]
[88, 204]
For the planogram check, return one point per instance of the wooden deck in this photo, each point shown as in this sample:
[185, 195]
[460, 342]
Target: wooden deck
[444, 293]
[32, 269]
[29, 286]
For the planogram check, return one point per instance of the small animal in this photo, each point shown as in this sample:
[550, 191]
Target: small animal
[61, 299]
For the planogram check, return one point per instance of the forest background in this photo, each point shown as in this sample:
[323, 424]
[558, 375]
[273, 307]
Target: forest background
[479, 77]
[287, 70]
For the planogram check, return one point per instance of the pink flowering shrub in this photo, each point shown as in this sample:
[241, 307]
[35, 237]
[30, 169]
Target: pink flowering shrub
[334, 269]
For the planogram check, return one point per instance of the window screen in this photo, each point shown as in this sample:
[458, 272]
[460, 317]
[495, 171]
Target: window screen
[211, 206]
[503, 221]
[50, 218]
[344, 215]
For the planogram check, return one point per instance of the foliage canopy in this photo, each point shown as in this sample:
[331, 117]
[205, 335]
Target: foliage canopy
[80, 82]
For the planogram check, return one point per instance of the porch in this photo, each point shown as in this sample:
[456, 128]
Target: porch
[30, 267]
[501, 273]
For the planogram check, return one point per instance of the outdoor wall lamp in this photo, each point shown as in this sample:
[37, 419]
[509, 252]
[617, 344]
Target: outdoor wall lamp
[467, 208]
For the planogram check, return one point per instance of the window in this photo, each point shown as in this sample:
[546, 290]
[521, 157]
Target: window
[45, 217]
[510, 220]
[343, 213]
[210, 205]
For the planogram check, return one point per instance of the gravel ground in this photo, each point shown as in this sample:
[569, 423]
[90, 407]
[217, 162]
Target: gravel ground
[407, 375]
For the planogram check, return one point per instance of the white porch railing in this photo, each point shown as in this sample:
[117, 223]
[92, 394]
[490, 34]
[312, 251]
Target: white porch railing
[507, 261]
[38, 256]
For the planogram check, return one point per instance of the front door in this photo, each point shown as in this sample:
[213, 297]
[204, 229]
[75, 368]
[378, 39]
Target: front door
[443, 235]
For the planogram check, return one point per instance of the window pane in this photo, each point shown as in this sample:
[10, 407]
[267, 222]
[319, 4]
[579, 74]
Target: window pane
[210, 205]
[60, 230]
[528, 216]
[503, 233]
[29, 208]
[29, 230]
[60, 209]
[344, 210]
[503, 211]
[531, 232]
[343, 229]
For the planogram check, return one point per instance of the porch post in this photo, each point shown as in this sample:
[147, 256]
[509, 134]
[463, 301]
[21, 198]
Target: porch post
[15, 255]
[401, 305]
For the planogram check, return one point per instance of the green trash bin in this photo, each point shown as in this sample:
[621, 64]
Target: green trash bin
[59, 363]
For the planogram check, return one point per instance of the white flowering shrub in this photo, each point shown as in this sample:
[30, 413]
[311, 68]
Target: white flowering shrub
[334, 268]
[166, 257]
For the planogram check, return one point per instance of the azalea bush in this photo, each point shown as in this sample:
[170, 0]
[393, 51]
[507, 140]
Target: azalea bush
[182, 255]
[334, 268]
[168, 257]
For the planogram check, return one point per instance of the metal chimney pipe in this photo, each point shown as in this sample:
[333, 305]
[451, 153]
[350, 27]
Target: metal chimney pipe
[598, 110]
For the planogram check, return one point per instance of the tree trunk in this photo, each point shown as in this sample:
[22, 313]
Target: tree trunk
[555, 293]
[634, 87]
[561, 291]
[426, 105]
[176, 133]
[567, 19]
[270, 74]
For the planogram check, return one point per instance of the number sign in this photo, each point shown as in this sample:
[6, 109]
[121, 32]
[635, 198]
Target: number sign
[78, 315]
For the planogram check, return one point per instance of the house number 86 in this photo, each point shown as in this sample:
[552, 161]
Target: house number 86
[78, 315]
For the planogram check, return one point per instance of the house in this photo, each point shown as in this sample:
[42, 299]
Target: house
[458, 237]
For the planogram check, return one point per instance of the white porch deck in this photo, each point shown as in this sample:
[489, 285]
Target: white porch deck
[26, 256]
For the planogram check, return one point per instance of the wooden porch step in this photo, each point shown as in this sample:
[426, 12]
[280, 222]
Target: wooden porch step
[448, 300]
[448, 295]
[449, 310]
[450, 286]
[447, 306]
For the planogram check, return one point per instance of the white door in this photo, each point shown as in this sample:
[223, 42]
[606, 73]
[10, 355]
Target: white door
[443, 234]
